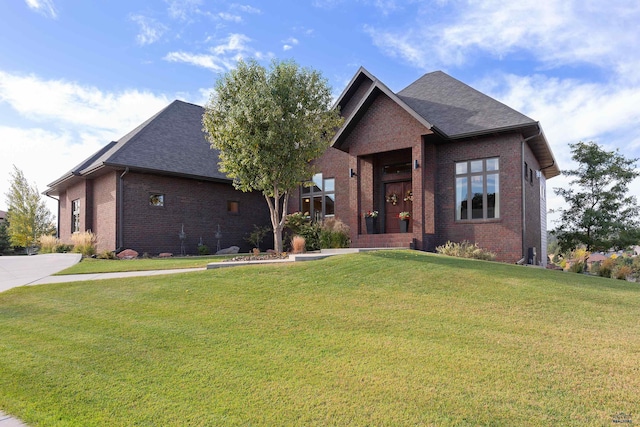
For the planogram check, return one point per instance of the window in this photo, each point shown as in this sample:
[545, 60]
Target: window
[233, 207]
[156, 199]
[478, 189]
[75, 215]
[318, 197]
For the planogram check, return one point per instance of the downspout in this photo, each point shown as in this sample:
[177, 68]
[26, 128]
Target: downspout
[121, 211]
[524, 204]
[58, 227]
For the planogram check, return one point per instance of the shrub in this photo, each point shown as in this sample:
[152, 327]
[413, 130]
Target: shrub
[465, 250]
[301, 225]
[48, 244]
[63, 248]
[334, 234]
[577, 267]
[84, 243]
[606, 267]
[203, 250]
[621, 272]
[257, 235]
[298, 244]
[106, 254]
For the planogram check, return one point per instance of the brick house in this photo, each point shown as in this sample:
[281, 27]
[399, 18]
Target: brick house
[141, 191]
[465, 166]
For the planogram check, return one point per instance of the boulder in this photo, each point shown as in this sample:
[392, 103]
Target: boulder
[128, 254]
[228, 251]
[165, 255]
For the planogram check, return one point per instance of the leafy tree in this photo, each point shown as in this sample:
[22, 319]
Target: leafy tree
[4, 238]
[269, 125]
[599, 213]
[28, 216]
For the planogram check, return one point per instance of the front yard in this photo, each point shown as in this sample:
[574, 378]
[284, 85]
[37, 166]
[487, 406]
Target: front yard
[382, 338]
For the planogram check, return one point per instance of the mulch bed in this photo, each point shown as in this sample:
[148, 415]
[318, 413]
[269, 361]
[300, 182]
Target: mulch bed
[260, 257]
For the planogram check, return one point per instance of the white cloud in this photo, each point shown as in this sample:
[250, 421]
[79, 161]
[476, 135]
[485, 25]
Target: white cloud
[78, 120]
[554, 32]
[44, 7]
[222, 56]
[246, 8]
[229, 17]
[289, 43]
[210, 62]
[182, 9]
[150, 29]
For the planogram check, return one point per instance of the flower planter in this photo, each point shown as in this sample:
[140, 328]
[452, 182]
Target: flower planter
[371, 225]
[404, 225]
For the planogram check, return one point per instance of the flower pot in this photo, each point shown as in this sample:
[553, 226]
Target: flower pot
[404, 225]
[371, 225]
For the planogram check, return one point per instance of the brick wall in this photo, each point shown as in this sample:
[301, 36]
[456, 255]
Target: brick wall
[532, 205]
[503, 235]
[80, 192]
[199, 205]
[104, 211]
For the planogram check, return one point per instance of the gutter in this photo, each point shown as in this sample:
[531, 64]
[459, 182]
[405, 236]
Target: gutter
[121, 210]
[58, 216]
[524, 204]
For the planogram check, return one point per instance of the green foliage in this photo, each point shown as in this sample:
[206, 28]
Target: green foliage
[256, 236]
[465, 249]
[107, 254]
[28, 216]
[5, 242]
[63, 248]
[269, 125]
[599, 213]
[334, 234]
[203, 250]
[302, 226]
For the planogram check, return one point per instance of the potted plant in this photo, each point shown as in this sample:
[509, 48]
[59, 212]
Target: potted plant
[370, 218]
[404, 221]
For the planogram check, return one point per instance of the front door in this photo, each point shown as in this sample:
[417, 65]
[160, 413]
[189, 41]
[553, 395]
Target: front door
[395, 194]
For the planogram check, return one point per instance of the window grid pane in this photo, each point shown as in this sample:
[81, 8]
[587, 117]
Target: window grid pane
[478, 189]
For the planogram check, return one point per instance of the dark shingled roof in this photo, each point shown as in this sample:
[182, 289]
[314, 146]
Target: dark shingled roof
[170, 142]
[457, 110]
[450, 108]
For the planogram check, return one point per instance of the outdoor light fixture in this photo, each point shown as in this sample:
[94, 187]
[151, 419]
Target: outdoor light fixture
[352, 173]
[415, 164]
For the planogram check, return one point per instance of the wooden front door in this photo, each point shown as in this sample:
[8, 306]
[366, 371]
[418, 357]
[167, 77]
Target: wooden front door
[395, 193]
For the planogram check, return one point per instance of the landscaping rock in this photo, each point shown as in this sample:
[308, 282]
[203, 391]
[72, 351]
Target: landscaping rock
[165, 255]
[128, 254]
[229, 250]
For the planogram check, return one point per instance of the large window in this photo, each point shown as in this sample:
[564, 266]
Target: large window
[478, 189]
[318, 197]
[75, 215]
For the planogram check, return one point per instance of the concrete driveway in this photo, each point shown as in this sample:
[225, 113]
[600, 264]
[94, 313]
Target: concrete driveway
[24, 270]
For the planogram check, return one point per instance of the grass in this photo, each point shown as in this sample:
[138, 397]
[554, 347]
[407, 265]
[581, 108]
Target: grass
[385, 338]
[94, 265]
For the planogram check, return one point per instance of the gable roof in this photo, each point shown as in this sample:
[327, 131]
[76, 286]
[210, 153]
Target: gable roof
[450, 108]
[170, 142]
[456, 109]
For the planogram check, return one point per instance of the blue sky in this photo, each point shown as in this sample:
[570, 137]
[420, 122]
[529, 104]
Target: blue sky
[75, 75]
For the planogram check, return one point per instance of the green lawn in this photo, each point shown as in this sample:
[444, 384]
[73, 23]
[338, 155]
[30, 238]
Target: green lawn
[93, 265]
[380, 338]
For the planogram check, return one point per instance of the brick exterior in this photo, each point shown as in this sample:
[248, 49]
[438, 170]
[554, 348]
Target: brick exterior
[387, 134]
[199, 205]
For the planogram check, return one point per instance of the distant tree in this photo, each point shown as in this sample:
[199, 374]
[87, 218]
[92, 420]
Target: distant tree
[269, 125]
[5, 243]
[28, 216]
[599, 213]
